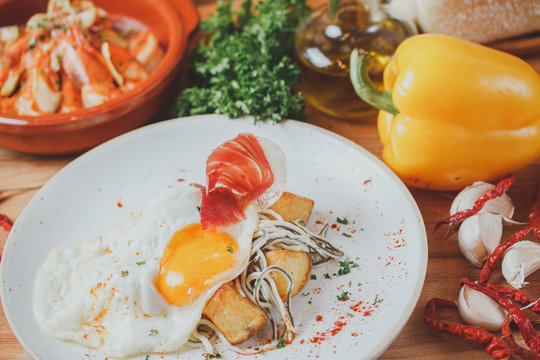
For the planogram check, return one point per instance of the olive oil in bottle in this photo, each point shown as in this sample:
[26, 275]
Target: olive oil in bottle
[323, 46]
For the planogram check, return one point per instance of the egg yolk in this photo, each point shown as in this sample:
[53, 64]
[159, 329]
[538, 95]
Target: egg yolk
[192, 262]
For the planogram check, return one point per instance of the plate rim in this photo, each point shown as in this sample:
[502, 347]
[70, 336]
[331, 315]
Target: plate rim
[377, 351]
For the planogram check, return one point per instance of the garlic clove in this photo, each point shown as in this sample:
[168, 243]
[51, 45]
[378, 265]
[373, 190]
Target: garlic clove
[467, 197]
[479, 235]
[476, 308]
[520, 261]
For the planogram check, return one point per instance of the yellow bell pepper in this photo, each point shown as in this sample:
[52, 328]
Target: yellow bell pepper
[452, 111]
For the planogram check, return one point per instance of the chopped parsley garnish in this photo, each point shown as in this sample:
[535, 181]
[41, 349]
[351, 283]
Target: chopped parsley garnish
[245, 68]
[309, 302]
[198, 208]
[281, 342]
[376, 301]
[229, 248]
[344, 296]
[141, 262]
[213, 356]
[31, 46]
[125, 273]
[346, 266]
[346, 235]
[343, 220]
[326, 276]
[147, 357]
[313, 277]
[153, 332]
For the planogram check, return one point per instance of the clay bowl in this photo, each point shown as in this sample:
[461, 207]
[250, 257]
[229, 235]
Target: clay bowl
[74, 132]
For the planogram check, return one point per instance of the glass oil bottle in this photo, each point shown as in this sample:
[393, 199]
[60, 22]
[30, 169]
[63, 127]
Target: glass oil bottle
[323, 46]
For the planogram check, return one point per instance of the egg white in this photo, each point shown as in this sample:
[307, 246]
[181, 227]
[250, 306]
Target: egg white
[101, 293]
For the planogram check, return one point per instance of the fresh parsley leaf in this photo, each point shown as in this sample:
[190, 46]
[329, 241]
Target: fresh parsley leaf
[313, 277]
[230, 248]
[124, 273]
[245, 67]
[345, 267]
[213, 356]
[343, 220]
[281, 342]
[326, 276]
[376, 301]
[140, 262]
[344, 296]
[346, 235]
[153, 332]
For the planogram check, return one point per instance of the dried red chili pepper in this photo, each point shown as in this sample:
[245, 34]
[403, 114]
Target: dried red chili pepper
[517, 295]
[6, 223]
[526, 328]
[494, 258]
[534, 215]
[508, 338]
[500, 189]
[475, 334]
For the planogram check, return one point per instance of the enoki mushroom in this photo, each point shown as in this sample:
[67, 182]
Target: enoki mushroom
[256, 282]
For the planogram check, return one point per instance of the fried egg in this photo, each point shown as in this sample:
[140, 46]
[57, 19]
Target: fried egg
[143, 288]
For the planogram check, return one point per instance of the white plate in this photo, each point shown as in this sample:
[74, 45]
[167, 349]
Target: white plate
[388, 234]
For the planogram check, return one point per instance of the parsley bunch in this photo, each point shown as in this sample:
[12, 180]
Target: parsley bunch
[245, 67]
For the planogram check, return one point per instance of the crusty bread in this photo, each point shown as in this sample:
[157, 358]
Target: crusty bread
[482, 21]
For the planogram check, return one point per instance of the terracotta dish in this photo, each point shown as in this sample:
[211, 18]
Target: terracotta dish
[170, 20]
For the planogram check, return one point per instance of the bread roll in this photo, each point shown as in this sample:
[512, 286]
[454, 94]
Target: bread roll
[482, 21]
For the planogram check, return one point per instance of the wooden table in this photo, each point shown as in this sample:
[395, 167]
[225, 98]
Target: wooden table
[446, 264]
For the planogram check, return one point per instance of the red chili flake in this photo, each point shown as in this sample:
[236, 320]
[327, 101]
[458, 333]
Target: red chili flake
[180, 180]
[367, 181]
[475, 334]
[354, 334]
[356, 307]
[317, 339]
[119, 204]
[339, 325]
[499, 190]
[319, 318]
[302, 341]
[319, 222]
[368, 313]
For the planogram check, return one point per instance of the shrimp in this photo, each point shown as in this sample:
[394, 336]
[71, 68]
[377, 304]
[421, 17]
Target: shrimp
[40, 90]
[86, 67]
[126, 70]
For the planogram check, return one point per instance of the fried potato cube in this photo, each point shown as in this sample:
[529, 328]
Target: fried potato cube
[296, 263]
[234, 315]
[293, 207]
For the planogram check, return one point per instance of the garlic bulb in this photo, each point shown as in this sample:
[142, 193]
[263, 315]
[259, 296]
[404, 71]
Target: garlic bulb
[466, 198]
[479, 235]
[476, 308]
[520, 261]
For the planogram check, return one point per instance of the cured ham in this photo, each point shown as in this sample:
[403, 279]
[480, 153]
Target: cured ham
[237, 173]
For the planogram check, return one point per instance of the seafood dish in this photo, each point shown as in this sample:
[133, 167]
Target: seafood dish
[72, 57]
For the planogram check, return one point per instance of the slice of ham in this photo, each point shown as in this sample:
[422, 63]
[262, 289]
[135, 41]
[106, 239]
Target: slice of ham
[238, 173]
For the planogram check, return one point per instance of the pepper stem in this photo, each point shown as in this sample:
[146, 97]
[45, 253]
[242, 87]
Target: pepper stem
[359, 65]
